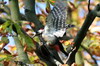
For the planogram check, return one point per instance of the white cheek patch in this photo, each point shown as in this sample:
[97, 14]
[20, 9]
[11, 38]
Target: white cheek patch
[41, 31]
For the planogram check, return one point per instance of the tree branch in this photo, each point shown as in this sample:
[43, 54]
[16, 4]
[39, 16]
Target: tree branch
[31, 15]
[20, 49]
[87, 50]
[6, 10]
[82, 32]
[15, 15]
[89, 5]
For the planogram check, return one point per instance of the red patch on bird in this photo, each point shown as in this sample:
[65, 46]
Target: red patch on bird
[56, 47]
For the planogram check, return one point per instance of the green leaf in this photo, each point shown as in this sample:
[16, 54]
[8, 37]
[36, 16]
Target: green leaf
[10, 29]
[2, 59]
[4, 56]
[52, 2]
[1, 64]
[6, 24]
[36, 39]
[79, 58]
[5, 40]
[27, 39]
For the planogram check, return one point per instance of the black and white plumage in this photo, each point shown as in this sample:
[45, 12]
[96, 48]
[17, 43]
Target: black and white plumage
[56, 23]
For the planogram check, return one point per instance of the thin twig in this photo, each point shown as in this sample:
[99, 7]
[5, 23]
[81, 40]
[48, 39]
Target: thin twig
[89, 5]
[90, 54]
[2, 47]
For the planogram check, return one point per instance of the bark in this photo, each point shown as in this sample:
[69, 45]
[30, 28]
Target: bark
[82, 32]
[31, 15]
[15, 16]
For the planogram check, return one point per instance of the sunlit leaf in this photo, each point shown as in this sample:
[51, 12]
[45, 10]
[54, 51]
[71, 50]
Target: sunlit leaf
[3, 56]
[79, 58]
[36, 39]
[12, 48]
[67, 42]
[2, 45]
[52, 1]
[1, 28]
[6, 24]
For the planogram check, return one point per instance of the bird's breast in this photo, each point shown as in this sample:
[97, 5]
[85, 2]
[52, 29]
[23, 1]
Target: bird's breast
[48, 37]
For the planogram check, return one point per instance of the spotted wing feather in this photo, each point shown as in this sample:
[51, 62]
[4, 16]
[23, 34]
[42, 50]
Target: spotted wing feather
[56, 20]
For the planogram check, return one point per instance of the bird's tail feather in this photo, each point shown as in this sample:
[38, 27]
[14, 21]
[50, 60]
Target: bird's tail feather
[62, 56]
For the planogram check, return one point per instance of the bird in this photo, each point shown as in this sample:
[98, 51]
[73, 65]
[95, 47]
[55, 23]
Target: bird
[56, 27]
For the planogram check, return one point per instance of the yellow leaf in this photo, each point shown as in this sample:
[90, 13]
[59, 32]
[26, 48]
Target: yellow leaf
[3, 56]
[67, 42]
[12, 48]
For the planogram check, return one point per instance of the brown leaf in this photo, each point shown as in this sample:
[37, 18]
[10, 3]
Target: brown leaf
[6, 63]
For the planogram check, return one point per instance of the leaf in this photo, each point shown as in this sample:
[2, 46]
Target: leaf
[67, 43]
[4, 28]
[1, 28]
[5, 56]
[79, 58]
[6, 24]
[27, 39]
[1, 64]
[10, 29]
[2, 59]
[52, 2]
[12, 48]
[48, 7]
[6, 63]
[37, 39]
[5, 40]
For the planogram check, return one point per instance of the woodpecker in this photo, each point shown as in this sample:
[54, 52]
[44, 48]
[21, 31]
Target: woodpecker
[55, 28]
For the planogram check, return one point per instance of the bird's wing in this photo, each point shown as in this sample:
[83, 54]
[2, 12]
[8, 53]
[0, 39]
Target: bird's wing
[56, 20]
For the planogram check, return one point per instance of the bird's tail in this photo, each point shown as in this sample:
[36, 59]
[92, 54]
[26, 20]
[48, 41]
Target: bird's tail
[62, 56]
